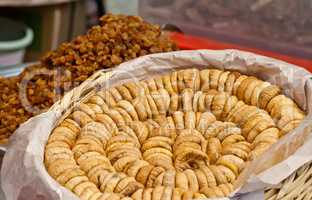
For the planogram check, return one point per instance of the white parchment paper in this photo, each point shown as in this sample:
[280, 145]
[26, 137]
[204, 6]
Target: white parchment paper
[23, 174]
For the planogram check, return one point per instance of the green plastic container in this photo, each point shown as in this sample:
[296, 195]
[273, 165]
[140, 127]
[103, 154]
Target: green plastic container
[14, 38]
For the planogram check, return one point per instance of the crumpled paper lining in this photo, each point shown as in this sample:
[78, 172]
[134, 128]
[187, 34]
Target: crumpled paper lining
[24, 176]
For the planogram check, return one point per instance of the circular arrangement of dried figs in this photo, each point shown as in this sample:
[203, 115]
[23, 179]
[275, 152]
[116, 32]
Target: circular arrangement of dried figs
[183, 135]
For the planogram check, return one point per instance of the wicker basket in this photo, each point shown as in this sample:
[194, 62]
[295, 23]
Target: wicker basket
[26, 137]
[297, 186]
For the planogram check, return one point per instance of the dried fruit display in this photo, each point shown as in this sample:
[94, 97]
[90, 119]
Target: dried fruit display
[12, 113]
[184, 135]
[117, 39]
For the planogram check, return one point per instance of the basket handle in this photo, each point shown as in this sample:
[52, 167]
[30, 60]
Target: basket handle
[81, 91]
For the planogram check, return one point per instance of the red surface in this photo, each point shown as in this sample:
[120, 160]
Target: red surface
[188, 42]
